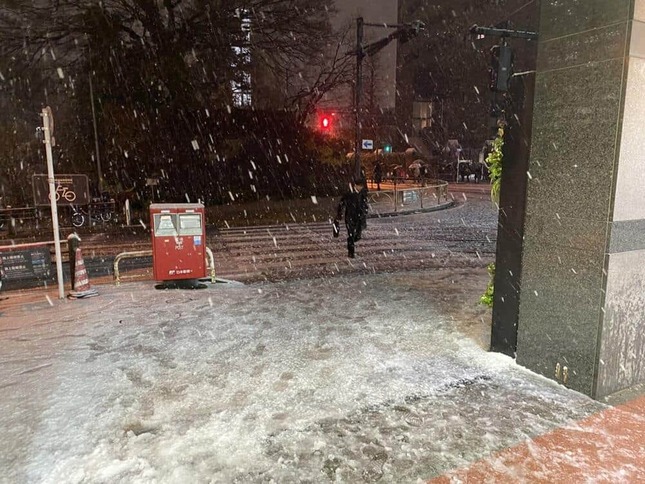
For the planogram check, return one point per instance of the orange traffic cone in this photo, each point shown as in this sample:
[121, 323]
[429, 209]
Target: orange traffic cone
[82, 286]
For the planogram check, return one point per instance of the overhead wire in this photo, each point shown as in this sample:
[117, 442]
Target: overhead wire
[510, 15]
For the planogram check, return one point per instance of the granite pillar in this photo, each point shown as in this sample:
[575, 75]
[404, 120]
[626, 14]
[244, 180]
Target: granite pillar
[582, 300]
[512, 207]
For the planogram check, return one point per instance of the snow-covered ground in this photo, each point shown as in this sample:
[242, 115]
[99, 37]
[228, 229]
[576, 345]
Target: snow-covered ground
[349, 379]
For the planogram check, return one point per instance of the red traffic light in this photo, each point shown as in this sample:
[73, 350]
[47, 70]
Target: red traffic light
[325, 122]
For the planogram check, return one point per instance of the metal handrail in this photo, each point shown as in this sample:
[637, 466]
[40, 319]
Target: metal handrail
[127, 255]
[29, 245]
[211, 260]
[148, 253]
[440, 189]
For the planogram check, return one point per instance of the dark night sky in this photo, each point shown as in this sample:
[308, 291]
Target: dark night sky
[447, 67]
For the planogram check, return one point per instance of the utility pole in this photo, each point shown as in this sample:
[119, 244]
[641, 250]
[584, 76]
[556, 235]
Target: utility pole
[99, 171]
[96, 138]
[360, 54]
[48, 130]
[403, 33]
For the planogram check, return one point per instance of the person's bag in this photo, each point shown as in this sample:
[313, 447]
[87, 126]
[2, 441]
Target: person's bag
[336, 228]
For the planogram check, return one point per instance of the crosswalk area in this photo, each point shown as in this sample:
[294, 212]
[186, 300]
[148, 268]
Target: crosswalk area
[281, 252]
[458, 237]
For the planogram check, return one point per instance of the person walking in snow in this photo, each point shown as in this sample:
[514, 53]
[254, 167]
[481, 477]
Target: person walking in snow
[353, 208]
[378, 175]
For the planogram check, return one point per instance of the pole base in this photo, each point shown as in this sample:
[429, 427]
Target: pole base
[83, 294]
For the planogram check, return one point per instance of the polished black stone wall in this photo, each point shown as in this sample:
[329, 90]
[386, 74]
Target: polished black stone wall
[571, 272]
[510, 226]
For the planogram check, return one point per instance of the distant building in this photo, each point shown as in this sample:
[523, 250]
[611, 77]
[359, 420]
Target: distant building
[241, 87]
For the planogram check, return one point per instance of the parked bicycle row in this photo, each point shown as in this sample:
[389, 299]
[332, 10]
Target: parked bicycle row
[97, 212]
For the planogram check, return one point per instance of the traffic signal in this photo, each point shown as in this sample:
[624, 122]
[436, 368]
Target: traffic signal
[409, 31]
[325, 123]
[501, 69]
[387, 149]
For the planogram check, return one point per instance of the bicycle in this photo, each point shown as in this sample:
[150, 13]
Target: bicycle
[80, 216]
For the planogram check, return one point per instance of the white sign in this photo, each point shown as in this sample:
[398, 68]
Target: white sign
[367, 144]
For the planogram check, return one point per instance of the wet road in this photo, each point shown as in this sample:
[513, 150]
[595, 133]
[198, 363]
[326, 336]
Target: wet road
[463, 236]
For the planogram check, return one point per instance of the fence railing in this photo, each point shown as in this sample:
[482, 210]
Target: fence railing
[407, 196]
[15, 220]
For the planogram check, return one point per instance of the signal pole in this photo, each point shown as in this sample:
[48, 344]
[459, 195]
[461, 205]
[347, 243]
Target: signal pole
[514, 183]
[501, 67]
[360, 54]
[403, 33]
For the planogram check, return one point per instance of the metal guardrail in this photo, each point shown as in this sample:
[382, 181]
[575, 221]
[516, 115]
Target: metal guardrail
[29, 245]
[127, 255]
[410, 197]
[148, 253]
[15, 219]
[211, 260]
[12, 219]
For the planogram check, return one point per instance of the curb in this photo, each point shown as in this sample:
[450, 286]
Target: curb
[436, 208]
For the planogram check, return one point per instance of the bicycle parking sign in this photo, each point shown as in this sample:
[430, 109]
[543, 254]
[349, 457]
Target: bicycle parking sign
[70, 190]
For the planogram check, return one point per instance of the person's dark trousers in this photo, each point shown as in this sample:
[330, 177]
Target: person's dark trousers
[350, 246]
[353, 236]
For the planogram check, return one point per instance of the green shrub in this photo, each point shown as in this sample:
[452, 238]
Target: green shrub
[494, 162]
[487, 298]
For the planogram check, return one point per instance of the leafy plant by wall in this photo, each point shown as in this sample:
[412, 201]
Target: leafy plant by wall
[487, 298]
[494, 162]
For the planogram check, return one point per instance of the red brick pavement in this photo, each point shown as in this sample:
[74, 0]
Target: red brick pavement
[607, 447]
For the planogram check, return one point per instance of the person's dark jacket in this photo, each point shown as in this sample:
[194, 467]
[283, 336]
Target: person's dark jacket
[353, 208]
